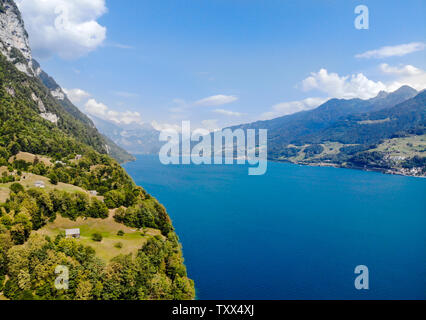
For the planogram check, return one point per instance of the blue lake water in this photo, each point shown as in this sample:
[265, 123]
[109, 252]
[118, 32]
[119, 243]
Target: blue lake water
[297, 232]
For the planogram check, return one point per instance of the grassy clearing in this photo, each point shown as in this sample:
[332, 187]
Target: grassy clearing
[132, 240]
[3, 169]
[29, 157]
[374, 121]
[404, 147]
[4, 194]
[330, 148]
[2, 297]
[28, 180]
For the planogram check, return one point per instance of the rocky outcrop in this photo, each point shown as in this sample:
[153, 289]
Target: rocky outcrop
[14, 43]
[15, 47]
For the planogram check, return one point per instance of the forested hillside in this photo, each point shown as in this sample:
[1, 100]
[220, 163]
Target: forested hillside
[71, 158]
[113, 150]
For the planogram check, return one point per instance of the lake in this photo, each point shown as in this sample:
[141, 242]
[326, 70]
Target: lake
[297, 232]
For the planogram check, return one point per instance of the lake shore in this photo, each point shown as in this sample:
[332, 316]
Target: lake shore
[415, 172]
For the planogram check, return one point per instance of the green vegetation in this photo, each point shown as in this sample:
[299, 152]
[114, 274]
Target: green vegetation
[97, 237]
[154, 273]
[33, 220]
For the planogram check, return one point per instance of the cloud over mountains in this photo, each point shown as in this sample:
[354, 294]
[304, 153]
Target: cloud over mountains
[67, 28]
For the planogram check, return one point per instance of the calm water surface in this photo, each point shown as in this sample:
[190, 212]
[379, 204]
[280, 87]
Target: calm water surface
[297, 232]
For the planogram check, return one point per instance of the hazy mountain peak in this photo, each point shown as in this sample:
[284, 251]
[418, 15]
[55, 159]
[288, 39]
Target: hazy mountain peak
[406, 90]
[382, 94]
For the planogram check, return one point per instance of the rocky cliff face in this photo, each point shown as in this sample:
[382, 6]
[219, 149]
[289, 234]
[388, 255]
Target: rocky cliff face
[14, 44]
[15, 47]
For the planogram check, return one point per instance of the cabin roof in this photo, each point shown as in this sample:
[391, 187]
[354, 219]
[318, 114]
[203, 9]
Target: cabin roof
[70, 232]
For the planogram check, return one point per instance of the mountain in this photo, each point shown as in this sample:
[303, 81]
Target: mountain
[14, 46]
[372, 127]
[288, 129]
[135, 138]
[341, 132]
[56, 175]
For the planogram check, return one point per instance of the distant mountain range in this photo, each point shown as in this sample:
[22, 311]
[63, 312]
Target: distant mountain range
[385, 133]
[354, 133]
[135, 138]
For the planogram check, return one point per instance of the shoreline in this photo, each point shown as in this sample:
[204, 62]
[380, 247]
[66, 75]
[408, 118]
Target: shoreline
[390, 171]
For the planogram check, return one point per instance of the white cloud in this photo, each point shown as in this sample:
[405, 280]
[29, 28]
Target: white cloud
[286, 108]
[211, 125]
[407, 70]
[96, 108]
[166, 127]
[228, 113]
[390, 51]
[100, 110]
[76, 95]
[217, 100]
[345, 87]
[348, 87]
[405, 75]
[68, 28]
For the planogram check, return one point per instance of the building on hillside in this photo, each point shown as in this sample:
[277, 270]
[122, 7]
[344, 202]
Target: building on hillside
[39, 184]
[72, 233]
[93, 192]
[78, 157]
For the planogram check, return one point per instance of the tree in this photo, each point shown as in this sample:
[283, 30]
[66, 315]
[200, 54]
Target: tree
[114, 199]
[97, 237]
[98, 209]
[21, 229]
[14, 148]
[16, 188]
[83, 291]
[53, 178]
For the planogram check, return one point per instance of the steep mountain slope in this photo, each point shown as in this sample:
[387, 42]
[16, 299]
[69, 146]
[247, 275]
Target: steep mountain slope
[289, 129]
[369, 128]
[346, 132]
[55, 167]
[14, 46]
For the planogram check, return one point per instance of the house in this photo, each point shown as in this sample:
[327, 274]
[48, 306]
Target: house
[61, 163]
[78, 157]
[93, 192]
[72, 233]
[39, 184]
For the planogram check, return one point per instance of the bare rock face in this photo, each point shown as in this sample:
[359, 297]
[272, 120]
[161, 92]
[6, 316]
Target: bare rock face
[50, 117]
[14, 44]
[40, 103]
[58, 93]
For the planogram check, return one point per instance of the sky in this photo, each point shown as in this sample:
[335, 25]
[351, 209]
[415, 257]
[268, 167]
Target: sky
[223, 62]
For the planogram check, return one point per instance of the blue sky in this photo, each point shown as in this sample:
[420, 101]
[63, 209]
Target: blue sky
[164, 59]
